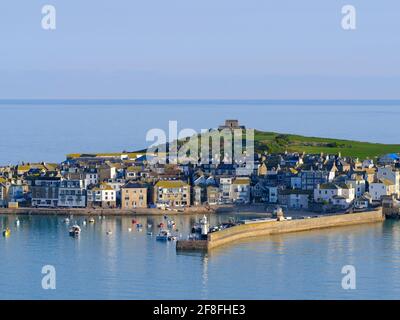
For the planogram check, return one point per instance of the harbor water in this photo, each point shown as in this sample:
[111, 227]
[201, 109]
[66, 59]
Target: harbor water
[131, 264]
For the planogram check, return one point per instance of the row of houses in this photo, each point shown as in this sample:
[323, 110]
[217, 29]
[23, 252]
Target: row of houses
[298, 181]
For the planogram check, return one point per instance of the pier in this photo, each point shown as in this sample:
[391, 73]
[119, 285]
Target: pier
[271, 227]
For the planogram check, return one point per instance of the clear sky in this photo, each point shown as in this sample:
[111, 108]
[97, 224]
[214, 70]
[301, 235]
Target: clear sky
[232, 49]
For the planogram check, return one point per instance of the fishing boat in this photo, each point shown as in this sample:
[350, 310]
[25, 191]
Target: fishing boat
[163, 235]
[6, 232]
[75, 230]
[149, 225]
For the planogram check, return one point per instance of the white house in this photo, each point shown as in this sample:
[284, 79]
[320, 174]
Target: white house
[381, 188]
[102, 196]
[241, 190]
[388, 173]
[225, 186]
[358, 183]
[363, 202]
[72, 194]
[342, 194]
[90, 178]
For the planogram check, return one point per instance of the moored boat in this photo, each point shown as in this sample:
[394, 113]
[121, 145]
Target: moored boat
[75, 230]
[163, 235]
[6, 232]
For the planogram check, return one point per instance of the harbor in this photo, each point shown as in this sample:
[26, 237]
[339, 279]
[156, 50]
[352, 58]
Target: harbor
[264, 227]
[129, 263]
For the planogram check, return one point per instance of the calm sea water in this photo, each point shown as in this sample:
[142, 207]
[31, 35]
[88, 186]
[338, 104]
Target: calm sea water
[133, 265]
[47, 132]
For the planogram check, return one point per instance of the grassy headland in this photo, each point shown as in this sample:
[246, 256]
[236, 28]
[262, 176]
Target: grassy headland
[273, 142]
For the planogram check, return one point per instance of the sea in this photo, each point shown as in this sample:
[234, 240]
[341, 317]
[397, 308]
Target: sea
[130, 263]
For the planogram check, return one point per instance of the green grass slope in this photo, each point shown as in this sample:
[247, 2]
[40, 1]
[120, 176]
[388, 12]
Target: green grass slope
[276, 142]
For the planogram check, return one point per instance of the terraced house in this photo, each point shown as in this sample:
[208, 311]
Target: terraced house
[172, 193]
[102, 195]
[133, 195]
[45, 191]
[72, 194]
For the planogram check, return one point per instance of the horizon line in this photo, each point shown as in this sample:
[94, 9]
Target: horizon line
[72, 101]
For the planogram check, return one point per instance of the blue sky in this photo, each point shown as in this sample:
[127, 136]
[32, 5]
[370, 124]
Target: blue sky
[208, 49]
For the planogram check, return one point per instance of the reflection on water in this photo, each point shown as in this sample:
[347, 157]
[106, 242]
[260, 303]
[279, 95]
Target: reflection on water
[131, 264]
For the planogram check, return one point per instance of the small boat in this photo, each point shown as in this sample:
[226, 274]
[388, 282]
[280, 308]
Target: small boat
[129, 229]
[75, 230]
[66, 220]
[149, 233]
[91, 220]
[172, 238]
[139, 225]
[149, 225]
[84, 222]
[109, 232]
[161, 225]
[134, 221]
[6, 232]
[17, 222]
[163, 235]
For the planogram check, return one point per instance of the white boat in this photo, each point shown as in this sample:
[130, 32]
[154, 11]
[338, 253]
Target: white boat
[66, 220]
[163, 235]
[17, 222]
[91, 220]
[75, 230]
[109, 232]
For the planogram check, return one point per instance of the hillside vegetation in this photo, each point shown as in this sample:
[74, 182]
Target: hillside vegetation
[276, 142]
[273, 142]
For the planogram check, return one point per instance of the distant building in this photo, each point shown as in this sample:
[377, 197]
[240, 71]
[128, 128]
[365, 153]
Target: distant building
[341, 195]
[45, 191]
[173, 193]
[294, 198]
[241, 190]
[231, 124]
[381, 188]
[101, 196]
[310, 179]
[133, 195]
[389, 158]
[72, 194]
